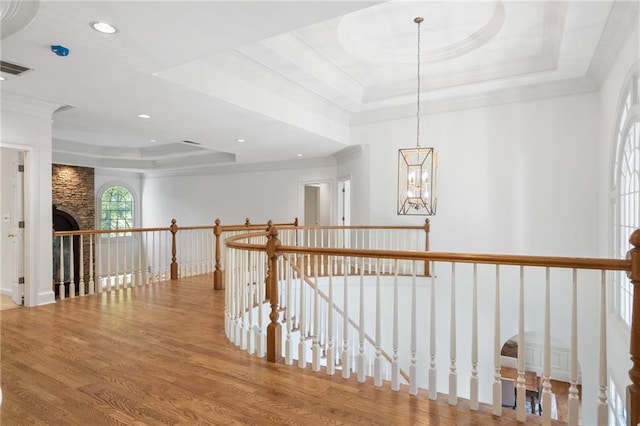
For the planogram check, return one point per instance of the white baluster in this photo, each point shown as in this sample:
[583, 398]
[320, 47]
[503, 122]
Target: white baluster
[361, 371]
[237, 298]
[124, 260]
[331, 357]
[228, 264]
[261, 346]
[413, 371]
[603, 405]
[232, 283]
[117, 271]
[315, 347]
[81, 282]
[433, 387]
[250, 305]
[473, 403]
[520, 383]
[497, 382]
[61, 282]
[143, 270]
[574, 402]
[302, 355]
[453, 375]
[288, 345]
[133, 260]
[244, 302]
[99, 268]
[395, 367]
[346, 367]
[72, 278]
[91, 264]
[154, 278]
[109, 262]
[377, 368]
[546, 365]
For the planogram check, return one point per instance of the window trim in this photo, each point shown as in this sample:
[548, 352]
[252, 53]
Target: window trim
[630, 91]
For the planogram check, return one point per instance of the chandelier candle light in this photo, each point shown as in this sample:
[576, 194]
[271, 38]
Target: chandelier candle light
[417, 169]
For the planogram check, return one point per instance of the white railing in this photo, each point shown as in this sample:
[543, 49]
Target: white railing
[95, 261]
[374, 312]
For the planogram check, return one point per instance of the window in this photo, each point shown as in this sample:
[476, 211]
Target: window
[617, 412]
[626, 190]
[116, 209]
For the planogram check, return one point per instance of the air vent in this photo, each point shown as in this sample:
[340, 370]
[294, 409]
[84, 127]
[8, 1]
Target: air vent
[192, 142]
[13, 69]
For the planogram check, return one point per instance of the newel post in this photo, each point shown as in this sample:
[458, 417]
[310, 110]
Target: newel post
[427, 228]
[217, 274]
[174, 263]
[274, 330]
[633, 390]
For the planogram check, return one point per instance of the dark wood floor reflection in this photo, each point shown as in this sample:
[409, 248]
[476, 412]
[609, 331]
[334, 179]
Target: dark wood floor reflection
[157, 355]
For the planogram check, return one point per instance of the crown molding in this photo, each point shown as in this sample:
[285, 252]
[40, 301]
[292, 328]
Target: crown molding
[245, 168]
[12, 102]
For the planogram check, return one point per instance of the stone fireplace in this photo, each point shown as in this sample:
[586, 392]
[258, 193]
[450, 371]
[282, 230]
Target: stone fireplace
[73, 199]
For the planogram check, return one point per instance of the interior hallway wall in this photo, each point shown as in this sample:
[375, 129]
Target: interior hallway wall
[260, 195]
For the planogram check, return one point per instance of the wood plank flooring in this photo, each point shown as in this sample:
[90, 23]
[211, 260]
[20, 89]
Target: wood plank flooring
[6, 302]
[157, 355]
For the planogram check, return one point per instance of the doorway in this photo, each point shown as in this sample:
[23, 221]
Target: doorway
[316, 208]
[12, 225]
[63, 221]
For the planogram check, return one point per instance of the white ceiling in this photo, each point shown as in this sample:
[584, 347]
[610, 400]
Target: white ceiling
[288, 77]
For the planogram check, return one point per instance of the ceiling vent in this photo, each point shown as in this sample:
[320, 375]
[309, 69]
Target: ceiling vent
[191, 143]
[13, 69]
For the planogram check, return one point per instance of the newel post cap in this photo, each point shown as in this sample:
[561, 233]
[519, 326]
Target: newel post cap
[634, 239]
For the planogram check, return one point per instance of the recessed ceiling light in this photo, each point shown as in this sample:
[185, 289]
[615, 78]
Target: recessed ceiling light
[241, 140]
[144, 116]
[152, 140]
[2, 78]
[299, 155]
[103, 27]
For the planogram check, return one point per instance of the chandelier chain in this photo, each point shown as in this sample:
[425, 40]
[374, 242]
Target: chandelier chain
[418, 101]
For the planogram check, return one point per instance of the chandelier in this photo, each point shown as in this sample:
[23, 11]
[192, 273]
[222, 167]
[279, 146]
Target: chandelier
[417, 169]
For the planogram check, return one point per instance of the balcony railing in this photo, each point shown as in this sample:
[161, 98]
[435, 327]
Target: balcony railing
[95, 261]
[375, 302]
[364, 301]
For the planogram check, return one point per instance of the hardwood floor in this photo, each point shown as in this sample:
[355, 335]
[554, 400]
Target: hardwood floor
[157, 355]
[6, 302]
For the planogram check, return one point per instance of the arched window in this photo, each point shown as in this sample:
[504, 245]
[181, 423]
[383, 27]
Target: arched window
[117, 209]
[626, 189]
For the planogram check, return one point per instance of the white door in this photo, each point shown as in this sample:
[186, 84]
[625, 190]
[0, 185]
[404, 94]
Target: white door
[17, 285]
[11, 226]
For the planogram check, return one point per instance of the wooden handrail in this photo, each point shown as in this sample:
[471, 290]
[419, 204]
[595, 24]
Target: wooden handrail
[502, 259]
[108, 231]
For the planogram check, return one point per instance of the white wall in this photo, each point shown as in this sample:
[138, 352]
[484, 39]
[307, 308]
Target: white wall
[259, 195]
[514, 178]
[26, 126]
